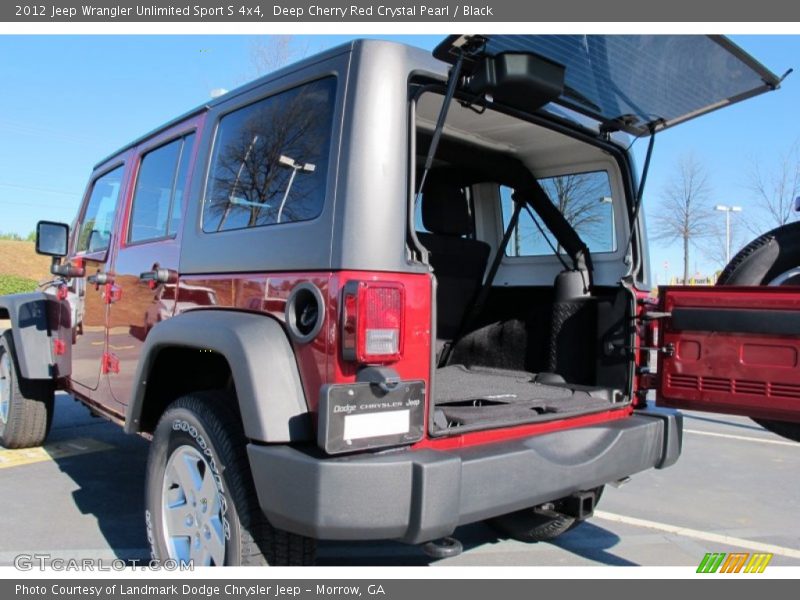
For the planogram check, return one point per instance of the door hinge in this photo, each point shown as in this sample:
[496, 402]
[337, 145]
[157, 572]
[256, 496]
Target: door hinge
[653, 315]
[112, 293]
[110, 363]
[667, 350]
[648, 381]
[612, 349]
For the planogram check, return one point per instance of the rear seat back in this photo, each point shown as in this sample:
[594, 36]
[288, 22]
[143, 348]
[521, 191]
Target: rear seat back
[458, 262]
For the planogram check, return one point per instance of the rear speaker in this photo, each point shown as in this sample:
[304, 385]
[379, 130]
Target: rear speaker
[305, 312]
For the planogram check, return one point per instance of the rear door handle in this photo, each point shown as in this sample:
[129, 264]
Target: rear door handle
[159, 276]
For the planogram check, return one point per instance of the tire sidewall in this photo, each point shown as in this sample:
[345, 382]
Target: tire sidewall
[181, 427]
[765, 258]
[4, 349]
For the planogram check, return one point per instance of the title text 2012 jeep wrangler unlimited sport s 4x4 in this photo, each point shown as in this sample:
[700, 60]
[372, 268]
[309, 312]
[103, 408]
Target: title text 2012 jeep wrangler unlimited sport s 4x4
[374, 296]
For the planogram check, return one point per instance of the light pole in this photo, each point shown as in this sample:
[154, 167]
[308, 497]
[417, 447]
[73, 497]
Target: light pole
[610, 201]
[290, 163]
[728, 210]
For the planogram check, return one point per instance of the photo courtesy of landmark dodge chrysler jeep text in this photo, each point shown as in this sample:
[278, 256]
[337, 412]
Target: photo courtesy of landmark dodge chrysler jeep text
[379, 294]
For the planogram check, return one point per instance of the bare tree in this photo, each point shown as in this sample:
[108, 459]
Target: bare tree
[775, 188]
[684, 213]
[272, 52]
[581, 198]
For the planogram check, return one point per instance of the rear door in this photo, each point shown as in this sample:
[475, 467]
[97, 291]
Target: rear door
[733, 350]
[149, 239]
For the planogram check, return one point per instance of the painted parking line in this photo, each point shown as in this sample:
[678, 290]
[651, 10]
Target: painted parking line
[696, 534]
[743, 438]
[54, 451]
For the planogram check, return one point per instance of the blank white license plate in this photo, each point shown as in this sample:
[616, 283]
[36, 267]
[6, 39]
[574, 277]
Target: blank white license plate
[357, 427]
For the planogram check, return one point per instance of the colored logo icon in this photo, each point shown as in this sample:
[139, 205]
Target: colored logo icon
[734, 562]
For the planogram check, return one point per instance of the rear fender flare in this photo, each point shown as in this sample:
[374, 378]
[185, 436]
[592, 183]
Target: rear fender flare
[269, 391]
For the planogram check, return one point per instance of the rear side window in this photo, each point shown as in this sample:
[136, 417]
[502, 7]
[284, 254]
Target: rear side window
[157, 199]
[98, 219]
[270, 160]
[585, 200]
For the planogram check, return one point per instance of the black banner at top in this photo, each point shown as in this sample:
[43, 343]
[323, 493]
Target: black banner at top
[435, 11]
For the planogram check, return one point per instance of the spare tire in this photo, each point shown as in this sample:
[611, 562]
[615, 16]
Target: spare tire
[771, 259]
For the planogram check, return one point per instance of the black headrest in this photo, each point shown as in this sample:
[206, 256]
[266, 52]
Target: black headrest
[445, 208]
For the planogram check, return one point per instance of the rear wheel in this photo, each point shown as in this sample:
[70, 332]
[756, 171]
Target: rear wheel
[540, 523]
[26, 406]
[771, 259]
[201, 502]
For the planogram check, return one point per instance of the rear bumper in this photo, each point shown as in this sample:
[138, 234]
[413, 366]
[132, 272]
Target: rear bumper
[416, 496]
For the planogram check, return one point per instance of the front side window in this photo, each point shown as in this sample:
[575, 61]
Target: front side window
[94, 234]
[585, 200]
[270, 160]
[156, 208]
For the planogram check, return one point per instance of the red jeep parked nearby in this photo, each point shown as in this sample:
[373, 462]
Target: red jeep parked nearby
[375, 295]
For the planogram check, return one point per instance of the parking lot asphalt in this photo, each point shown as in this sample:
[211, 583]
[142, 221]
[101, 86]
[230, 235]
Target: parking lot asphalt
[735, 489]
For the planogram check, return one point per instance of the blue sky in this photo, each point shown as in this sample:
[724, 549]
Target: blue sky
[69, 101]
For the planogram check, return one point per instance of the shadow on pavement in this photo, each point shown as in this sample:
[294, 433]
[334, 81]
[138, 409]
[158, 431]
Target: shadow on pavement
[592, 542]
[588, 541]
[110, 488]
[110, 483]
[396, 553]
[727, 423]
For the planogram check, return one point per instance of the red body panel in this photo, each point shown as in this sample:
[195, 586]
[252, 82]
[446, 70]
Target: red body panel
[268, 293]
[320, 360]
[751, 374]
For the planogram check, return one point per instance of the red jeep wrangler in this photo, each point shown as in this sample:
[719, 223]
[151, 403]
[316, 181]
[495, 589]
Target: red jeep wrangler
[375, 295]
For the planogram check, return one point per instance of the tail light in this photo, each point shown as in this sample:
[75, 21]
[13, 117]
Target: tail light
[372, 322]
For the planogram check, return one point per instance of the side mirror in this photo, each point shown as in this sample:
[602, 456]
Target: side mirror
[797, 204]
[51, 238]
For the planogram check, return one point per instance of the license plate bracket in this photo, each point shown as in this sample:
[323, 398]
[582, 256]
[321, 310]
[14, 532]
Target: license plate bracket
[360, 416]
